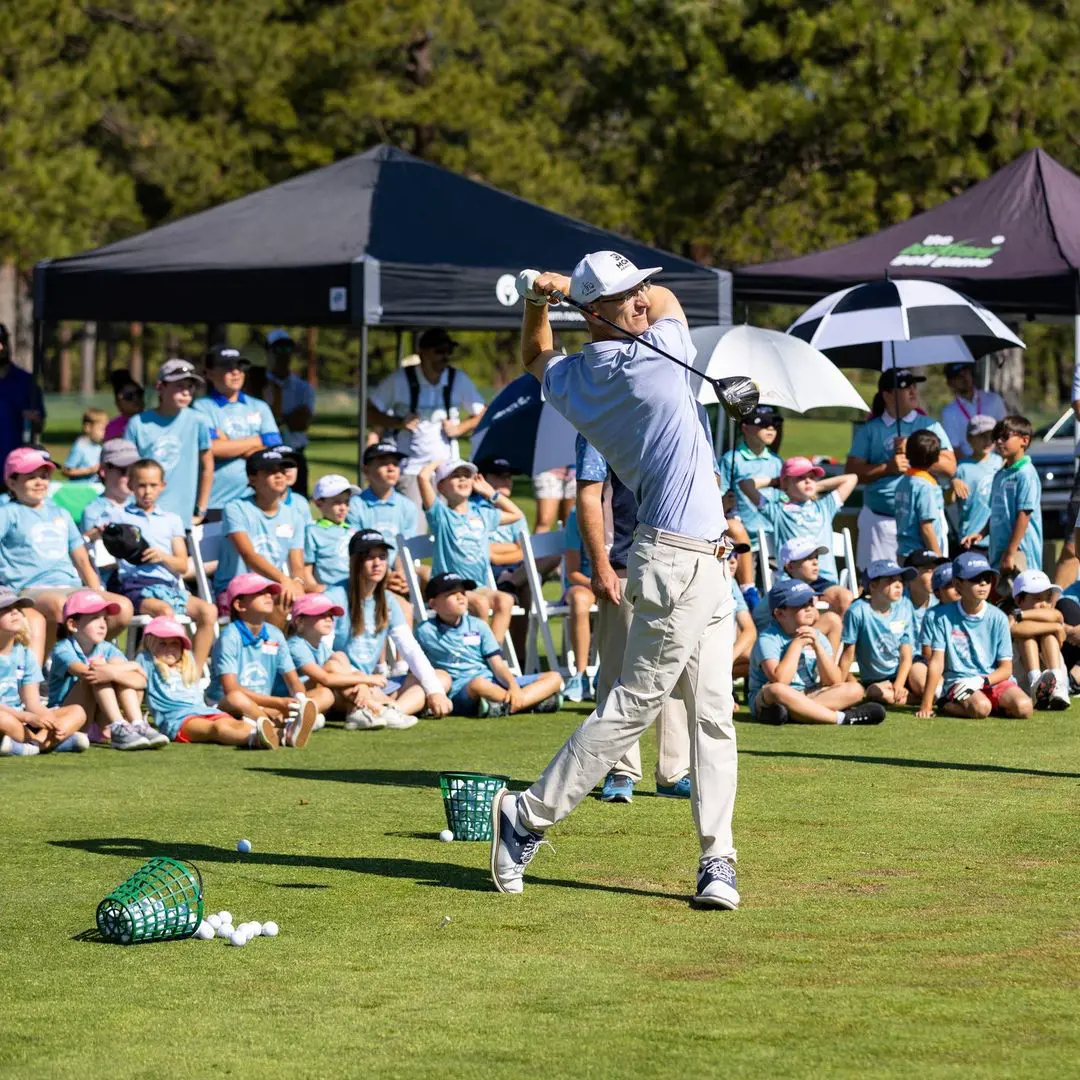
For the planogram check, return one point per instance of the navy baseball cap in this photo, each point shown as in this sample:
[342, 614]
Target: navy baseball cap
[880, 568]
[921, 557]
[942, 577]
[898, 379]
[274, 457]
[447, 583]
[500, 466]
[970, 565]
[226, 358]
[360, 543]
[957, 366]
[383, 448]
[790, 593]
[763, 416]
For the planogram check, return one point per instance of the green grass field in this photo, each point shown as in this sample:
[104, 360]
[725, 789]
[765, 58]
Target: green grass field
[909, 909]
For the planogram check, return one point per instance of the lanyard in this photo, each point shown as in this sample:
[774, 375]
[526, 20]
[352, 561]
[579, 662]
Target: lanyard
[960, 405]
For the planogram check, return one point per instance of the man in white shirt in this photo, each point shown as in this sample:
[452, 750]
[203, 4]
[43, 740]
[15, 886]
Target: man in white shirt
[292, 400]
[430, 405]
[967, 403]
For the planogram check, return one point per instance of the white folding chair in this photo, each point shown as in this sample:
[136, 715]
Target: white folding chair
[419, 548]
[843, 549]
[763, 559]
[203, 540]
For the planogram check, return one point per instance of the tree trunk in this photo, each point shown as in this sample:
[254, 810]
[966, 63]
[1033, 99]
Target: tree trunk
[312, 360]
[89, 359]
[136, 364]
[64, 359]
[1007, 377]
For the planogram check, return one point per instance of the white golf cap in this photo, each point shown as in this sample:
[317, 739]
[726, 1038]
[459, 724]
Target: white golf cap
[798, 548]
[1032, 581]
[331, 485]
[448, 468]
[981, 424]
[606, 273]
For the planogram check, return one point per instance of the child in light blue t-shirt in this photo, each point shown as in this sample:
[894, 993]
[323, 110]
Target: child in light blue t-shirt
[84, 457]
[919, 505]
[974, 479]
[326, 545]
[879, 634]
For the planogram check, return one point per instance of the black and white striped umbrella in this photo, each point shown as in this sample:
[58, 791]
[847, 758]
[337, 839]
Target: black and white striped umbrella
[905, 323]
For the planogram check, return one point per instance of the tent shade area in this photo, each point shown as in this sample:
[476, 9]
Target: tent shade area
[1011, 242]
[378, 239]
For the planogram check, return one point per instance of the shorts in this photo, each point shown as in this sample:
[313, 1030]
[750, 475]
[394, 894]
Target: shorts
[181, 735]
[468, 706]
[997, 691]
[560, 483]
[176, 596]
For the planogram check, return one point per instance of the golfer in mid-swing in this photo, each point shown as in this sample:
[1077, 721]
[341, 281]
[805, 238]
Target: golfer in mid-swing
[638, 410]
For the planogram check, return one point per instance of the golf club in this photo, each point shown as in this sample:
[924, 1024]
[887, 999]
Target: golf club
[738, 394]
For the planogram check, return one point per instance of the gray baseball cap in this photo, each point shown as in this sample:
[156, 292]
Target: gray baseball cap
[10, 599]
[119, 453]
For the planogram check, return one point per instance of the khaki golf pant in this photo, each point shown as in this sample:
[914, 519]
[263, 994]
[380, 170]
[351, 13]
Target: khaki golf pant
[672, 730]
[681, 636]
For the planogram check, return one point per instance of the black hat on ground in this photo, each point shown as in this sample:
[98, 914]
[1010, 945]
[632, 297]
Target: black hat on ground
[447, 583]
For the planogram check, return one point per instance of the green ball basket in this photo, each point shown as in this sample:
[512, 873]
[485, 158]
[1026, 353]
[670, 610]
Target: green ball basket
[161, 901]
[467, 801]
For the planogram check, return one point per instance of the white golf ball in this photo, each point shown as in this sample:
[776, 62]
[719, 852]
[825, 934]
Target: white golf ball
[243, 846]
[446, 836]
[225, 930]
[238, 939]
[205, 932]
[256, 928]
[225, 917]
[269, 929]
[214, 920]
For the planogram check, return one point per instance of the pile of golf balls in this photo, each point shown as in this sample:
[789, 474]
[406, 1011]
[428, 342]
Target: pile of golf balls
[221, 925]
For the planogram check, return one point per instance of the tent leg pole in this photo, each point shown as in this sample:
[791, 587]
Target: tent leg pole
[399, 345]
[1076, 363]
[38, 370]
[361, 423]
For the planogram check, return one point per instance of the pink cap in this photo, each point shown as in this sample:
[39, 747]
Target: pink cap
[88, 602]
[795, 468]
[316, 604]
[25, 459]
[165, 628]
[249, 585]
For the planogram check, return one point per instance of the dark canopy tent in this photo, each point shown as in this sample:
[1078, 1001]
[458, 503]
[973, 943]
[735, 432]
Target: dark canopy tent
[378, 239]
[1011, 242]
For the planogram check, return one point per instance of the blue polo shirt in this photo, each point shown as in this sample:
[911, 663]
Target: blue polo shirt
[639, 411]
[18, 668]
[461, 651]
[35, 546]
[975, 509]
[159, 528]
[256, 659]
[99, 512]
[175, 443]
[973, 644]
[918, 498]
[239, 419]
[272, 535]
[170, 701]
[68, 652]
[743, 464]
[299, 505]
[302, 653]
[873, 443]
[326, 550]
[771, 644]
[461, 540]
[364, 650]
[83, 453]
[1014, 488]
[878, 637]
[592, 465]
[390, 516]
[786, 520]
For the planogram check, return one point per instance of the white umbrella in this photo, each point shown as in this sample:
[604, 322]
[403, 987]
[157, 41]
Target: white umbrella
[789, 373]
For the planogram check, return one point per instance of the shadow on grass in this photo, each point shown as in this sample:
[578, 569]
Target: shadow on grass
[467, 878]
[374, 777]
[913, 763]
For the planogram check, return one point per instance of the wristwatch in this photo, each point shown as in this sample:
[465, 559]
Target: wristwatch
[200, 511]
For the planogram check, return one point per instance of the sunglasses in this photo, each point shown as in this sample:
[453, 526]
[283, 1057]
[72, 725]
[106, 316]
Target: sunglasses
[982, 579]
[129, 395]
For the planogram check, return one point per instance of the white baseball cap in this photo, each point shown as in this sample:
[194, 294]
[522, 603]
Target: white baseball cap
[606, 273]
[448, 468]
[331, 485]
[1032, 581]
[798, 548]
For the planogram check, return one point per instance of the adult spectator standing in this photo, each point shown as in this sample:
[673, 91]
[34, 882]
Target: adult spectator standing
[431, 405]
[292, 400]
[877, 458]
[240, 425]
[967, 403]
[21, 403]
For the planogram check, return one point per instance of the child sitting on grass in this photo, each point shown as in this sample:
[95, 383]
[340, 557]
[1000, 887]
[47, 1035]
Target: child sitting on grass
[974, 480]
[799, 560]
[578, 597]
[919, 504]
[745, 630]
[326, 544]
[920, 589]
[943, 592]
[793, 675]
[92, 673]
[247, 659]
[84, 457]
[971, 651]
[173, 694]
[879, 633]
[374, 616]
[26, 726]
[1038, 633]
[461, 529]
[464, 647]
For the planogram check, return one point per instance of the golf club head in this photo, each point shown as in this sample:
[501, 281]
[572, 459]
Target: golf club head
[738, 395]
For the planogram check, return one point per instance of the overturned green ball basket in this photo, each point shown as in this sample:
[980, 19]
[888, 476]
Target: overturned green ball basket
[467, 801]
[161, 901]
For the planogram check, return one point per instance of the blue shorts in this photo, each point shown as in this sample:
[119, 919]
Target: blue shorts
[469, 706]
[176, 596]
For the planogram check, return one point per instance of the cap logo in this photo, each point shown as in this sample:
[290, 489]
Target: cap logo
[589, 287]
[621, 261]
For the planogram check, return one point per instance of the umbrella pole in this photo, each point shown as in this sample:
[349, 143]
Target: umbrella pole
[361, 420]
[899, 418]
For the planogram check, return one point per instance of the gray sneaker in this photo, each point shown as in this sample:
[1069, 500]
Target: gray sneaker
[395, 719]
[10, 748]
[155, 738]
[512, 847]
[125, 737]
